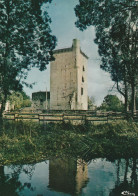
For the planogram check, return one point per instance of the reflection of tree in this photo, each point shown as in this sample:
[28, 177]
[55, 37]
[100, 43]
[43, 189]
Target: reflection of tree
[67, 176]
[126, 170]
[134, 180]
[118, 169]
[10, 184]
[125, 184]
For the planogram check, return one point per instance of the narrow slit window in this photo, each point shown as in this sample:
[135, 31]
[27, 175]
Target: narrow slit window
[82, 79]
[81, 91]
[83, 68]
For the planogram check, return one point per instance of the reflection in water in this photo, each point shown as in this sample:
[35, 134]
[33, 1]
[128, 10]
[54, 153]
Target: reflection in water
[128, 170]
[9, 182]
[70, 177]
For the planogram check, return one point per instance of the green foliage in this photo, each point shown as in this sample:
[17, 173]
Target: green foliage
[116, 35]
[19, 100]
[25, 42]
[91, 103]
[112, 103]
[24, 142]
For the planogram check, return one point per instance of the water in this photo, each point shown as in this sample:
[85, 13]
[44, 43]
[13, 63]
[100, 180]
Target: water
[69, 177]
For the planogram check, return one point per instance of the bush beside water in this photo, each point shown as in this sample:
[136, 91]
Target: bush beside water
[27, 142]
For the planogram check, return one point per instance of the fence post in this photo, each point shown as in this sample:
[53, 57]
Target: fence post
[39, 118]
[107, 117]
[63, 117]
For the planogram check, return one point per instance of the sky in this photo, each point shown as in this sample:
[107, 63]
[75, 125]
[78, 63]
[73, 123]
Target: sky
[63, 27]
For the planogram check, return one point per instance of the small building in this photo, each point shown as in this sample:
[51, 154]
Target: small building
[68, 79]
[41, 100]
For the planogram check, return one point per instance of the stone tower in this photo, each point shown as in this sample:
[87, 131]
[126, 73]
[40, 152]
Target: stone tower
[68, 79]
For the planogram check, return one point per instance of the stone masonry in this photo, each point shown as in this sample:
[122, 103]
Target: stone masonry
[41, 100]
[68, 79]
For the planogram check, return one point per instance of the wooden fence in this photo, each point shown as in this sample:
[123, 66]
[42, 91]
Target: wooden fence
[75, 117]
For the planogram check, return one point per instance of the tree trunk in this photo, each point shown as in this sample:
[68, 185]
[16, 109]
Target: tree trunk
[126, 98]
[3, 103]
[1, 117]
[125, 95]
[133, 100]
[126, 104]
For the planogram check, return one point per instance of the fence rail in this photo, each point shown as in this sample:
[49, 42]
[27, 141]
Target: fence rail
[69, 116]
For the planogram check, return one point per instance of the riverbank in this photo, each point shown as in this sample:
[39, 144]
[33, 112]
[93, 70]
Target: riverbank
[28, 142]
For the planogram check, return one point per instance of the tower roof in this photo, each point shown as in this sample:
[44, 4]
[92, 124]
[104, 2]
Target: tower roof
[74, 45]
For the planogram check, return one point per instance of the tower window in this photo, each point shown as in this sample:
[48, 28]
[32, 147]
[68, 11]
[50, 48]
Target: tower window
[83, 68]
[81, 91]
[82, 79]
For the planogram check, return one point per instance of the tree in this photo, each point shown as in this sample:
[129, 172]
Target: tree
[11, 184]
[19, 100]
[116, 31]
[112, 103]
[25, 42]
[91, 103]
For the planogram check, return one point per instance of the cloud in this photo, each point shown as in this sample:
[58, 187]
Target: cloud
[63, 27]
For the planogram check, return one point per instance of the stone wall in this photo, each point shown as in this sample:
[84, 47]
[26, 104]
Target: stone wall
[41, 100]
[68, 79]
